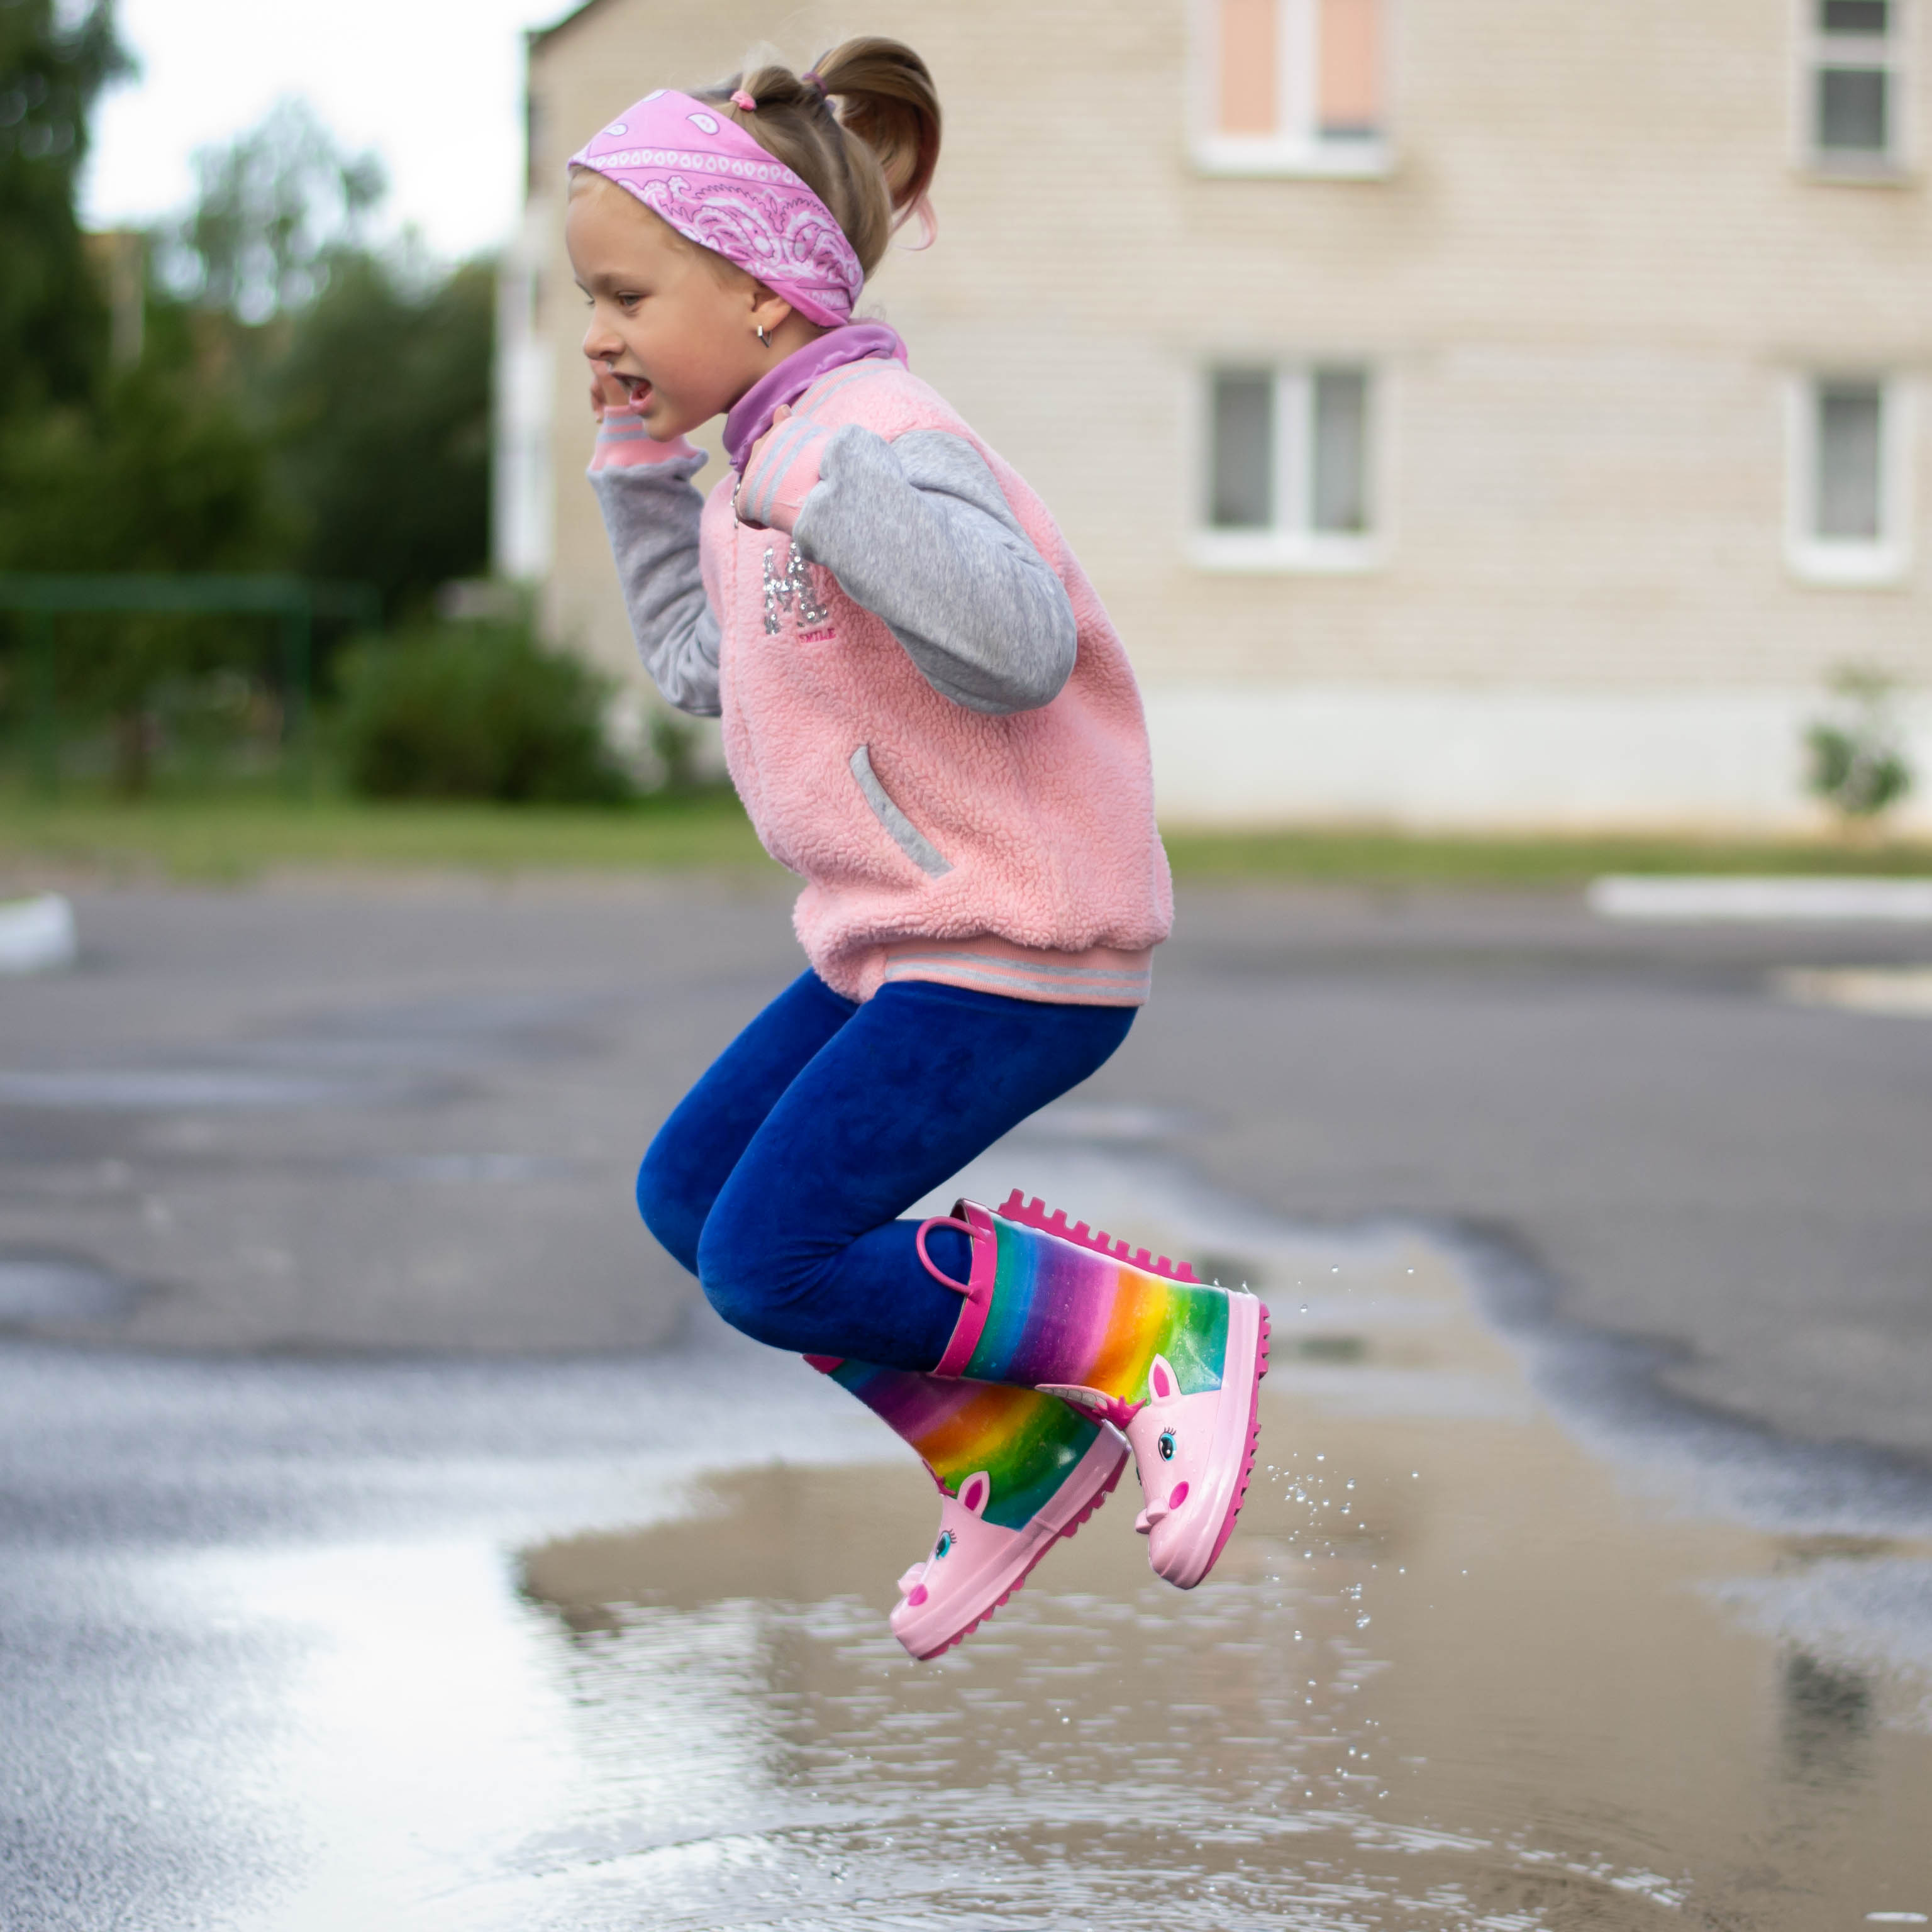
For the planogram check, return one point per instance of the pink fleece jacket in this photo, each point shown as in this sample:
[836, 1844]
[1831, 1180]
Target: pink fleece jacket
[1016, 854]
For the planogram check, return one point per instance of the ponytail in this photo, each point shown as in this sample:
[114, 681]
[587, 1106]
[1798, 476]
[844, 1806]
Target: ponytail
[861, 129]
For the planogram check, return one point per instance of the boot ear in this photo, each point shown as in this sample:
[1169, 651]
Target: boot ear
[976, 1492]
[1161, 1385]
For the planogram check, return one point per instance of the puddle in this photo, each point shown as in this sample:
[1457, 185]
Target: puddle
[1450, 1672]
[1503, 1642]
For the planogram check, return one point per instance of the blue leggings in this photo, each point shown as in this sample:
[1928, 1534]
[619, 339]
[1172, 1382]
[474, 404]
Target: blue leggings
[778, 1180]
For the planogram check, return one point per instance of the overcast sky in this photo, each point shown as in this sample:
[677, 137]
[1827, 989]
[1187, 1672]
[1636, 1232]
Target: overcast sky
[434, 86]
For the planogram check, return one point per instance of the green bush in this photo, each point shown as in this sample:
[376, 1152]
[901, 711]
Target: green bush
[1862, 778]
[474, 711]
[1857, 760]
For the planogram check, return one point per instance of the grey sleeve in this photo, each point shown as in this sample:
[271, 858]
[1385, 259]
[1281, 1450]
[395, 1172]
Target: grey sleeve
[652, 514]
[918, 531]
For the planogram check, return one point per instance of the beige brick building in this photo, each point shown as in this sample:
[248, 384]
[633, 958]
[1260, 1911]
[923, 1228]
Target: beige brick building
[1474, 412]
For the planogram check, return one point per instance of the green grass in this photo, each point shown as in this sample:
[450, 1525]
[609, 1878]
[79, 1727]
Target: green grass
[236, 834]
[1394, 858]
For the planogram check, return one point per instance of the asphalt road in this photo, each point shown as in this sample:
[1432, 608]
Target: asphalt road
[403, 1115]
[323, 1305]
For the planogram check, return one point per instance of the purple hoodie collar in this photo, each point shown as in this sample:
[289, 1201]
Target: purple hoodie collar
[751, 415]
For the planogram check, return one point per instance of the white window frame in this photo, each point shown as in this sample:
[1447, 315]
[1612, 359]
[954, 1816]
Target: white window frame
[1850, 563]
[1896, 55]
[1290, 546]
[1298, 147]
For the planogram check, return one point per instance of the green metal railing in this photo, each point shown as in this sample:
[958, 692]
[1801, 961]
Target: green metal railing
[296, 601]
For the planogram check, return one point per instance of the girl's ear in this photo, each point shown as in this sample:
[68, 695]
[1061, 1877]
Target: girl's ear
[769, 311]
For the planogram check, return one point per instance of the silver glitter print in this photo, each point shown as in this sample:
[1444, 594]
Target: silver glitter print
[782, 587]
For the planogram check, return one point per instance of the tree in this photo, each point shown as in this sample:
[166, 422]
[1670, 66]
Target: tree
[52, 319]
[273, 210]
[383, 427]
[302, 402]
[162, 477]
[368, 373]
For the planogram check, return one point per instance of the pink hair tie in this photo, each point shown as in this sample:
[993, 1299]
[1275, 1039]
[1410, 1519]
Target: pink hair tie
[739, 98]
[812, 81]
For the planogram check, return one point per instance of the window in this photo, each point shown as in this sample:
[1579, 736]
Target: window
[1291, 86]
[1849, 510]
[1287, 479]
[1855, 90]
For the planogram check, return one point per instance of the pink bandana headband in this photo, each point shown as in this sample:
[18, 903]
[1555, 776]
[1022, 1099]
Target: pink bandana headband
[707, 177]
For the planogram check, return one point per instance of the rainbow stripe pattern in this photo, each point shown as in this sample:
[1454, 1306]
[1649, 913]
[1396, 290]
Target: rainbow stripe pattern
[1028, 1443]
[1062, 1311]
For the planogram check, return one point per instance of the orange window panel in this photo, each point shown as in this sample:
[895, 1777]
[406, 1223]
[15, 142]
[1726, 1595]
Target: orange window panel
[1350, 82]
[1250, 62]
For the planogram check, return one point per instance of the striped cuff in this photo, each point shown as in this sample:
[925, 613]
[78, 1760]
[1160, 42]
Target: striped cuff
[1103, 975]
[783, 468]
[624, 443]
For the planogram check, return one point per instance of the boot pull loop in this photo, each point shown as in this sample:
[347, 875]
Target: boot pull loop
[926, 1260]
[1096, 1403]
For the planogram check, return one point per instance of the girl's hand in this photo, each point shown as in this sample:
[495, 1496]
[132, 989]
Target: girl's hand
[755, 455]
[607, 392]
[778, 495]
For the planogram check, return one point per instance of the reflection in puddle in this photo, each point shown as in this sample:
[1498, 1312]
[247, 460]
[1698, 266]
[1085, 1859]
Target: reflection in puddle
[1447, 1674]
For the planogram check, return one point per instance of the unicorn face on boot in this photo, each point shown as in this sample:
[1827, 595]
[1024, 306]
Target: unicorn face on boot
[1172, 1436]
[974, 1494]
[1016, 1471]
[976, 1565]
[1193, 1454]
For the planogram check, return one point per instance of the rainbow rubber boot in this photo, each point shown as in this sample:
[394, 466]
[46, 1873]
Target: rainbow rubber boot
[1129, 1338]
[1016, 1471]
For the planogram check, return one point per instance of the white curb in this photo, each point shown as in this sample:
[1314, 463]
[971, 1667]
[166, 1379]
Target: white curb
[1792, 900]
[37, 935]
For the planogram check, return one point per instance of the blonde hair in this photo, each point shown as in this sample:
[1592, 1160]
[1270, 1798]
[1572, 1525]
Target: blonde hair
[870, 158]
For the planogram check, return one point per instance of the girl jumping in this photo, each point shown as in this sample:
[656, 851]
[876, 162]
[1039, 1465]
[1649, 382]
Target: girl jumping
[930, 718]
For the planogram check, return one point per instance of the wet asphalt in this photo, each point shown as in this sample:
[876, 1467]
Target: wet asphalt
[315, 1233]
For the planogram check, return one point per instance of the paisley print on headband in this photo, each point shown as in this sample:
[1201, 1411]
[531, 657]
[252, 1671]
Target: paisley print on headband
[788, 241]
[728, 194]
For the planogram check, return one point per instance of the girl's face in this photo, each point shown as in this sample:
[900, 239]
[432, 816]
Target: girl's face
[681, 336]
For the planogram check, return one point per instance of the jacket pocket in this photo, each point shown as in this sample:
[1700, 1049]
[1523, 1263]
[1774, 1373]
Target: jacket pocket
[899, 829]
